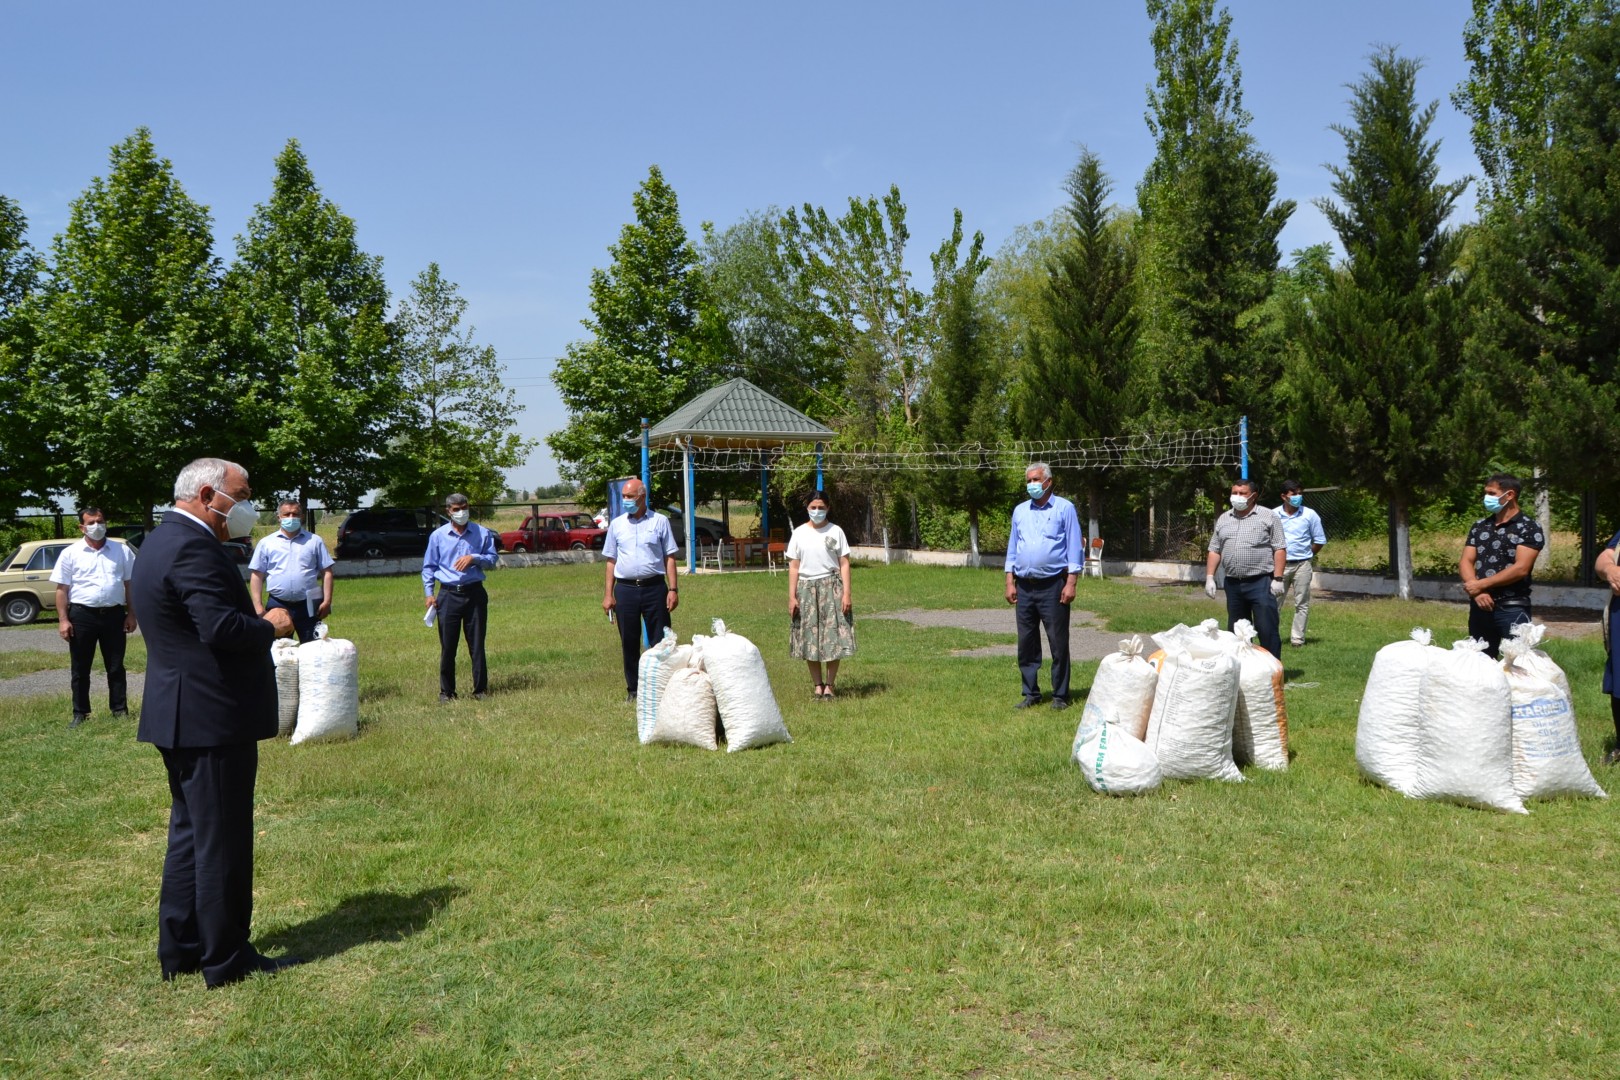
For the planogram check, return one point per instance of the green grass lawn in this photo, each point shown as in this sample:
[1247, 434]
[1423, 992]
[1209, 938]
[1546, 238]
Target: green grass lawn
[921, 884]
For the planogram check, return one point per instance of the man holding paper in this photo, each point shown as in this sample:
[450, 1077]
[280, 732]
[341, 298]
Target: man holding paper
[297, 569]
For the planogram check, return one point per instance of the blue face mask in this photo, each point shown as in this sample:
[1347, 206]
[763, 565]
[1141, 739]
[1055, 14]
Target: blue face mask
[291, 524]
[1492, 503]
[1035, 487]
[1296, 501]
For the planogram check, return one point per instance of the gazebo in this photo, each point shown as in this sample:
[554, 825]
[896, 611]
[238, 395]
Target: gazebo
[736, 415]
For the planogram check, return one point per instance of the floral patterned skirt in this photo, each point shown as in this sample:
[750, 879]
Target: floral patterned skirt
[821, 632]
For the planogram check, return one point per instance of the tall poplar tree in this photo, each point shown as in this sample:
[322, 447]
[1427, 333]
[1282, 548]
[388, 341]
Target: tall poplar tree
[459, 431]
[129, 380]
[655, 342]
[964, 406]
[308, 313]
[1379, 394]
[1210, 221]
[1073, 382]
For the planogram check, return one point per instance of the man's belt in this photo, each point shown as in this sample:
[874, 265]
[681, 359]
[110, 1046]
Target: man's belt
[641, 582]
[468, 587]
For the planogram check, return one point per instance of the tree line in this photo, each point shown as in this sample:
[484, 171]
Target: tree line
[1424, 357]
[129, 345]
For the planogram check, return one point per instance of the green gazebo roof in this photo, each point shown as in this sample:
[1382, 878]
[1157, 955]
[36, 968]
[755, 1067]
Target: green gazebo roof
[737, 414]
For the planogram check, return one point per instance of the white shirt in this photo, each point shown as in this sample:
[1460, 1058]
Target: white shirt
[818, 551]
[95, 578]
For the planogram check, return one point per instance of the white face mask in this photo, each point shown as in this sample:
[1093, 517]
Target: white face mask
[96, 532]
[818, 516]
[460, 517]
[240, 518]
[1240, 502]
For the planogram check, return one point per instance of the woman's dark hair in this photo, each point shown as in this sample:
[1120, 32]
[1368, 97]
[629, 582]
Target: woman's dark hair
[815, 495]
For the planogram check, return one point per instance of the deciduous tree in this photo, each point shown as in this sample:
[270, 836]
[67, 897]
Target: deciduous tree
[459, 426]
[308, 313]
[129, 380]
[655, 342]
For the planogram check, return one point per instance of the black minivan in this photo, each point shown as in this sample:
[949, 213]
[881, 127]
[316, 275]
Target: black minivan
[387, 531]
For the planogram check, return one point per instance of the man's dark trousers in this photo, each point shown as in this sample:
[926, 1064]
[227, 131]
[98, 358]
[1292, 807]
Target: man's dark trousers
[1489, 626]
[1039, 604]
[207, 893]
[94, 626]
[1250, 598]
[463, 609]
[303, 621]
[636, 604]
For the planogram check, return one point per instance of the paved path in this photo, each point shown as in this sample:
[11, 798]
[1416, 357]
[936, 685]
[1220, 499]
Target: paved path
[55, 680]
[1087, 639]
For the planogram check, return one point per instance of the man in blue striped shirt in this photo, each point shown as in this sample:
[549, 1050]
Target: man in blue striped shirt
[1045, 554]
[456, 558]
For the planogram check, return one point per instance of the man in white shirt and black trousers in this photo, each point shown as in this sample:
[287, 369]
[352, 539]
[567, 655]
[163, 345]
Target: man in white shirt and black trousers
[640, 587]
[93, 607]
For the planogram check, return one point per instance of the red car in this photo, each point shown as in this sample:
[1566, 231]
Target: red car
[555, 532]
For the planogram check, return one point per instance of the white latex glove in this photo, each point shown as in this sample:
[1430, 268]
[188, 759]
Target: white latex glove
[1209, 586]
[1276, 587]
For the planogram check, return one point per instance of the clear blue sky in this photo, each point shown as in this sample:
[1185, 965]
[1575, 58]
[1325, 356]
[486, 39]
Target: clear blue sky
[504, 140]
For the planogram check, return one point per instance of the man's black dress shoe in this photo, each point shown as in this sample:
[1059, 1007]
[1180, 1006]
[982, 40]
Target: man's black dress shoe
[79, 718]
[1028, 703]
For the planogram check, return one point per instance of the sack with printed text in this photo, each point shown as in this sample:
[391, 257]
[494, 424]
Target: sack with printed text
[1547, 758]
[1114, 761]
[653, 672]
[328, 689]
[1260, 729]
[1465, 750]
[1194, 705]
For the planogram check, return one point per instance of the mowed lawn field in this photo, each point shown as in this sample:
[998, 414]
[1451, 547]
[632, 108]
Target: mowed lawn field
[921, 884]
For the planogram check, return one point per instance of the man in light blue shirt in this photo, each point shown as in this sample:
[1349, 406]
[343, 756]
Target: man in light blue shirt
[294, 565]
[1045, 553]
[457, 556]
[1302, 529]
[640, 587]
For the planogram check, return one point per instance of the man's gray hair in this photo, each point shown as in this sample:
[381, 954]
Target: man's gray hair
[1046, 470]
[204, 472]
[455, 498]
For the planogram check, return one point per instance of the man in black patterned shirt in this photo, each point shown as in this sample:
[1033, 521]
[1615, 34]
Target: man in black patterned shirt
[1496, 563]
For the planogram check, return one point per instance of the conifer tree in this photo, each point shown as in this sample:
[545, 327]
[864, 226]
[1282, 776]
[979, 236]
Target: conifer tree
[1379, 394]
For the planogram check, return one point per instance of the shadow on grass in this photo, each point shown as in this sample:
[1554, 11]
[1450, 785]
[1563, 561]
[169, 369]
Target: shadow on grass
[866, 689]
[362, 918]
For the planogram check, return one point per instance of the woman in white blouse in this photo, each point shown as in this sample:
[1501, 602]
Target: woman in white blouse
[818, 597]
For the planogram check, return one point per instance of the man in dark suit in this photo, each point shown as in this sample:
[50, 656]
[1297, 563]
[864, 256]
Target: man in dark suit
[210, 697]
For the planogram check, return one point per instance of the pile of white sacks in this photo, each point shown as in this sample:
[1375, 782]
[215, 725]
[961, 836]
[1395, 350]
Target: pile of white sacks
[317, 688]
[1456, 725]
[715, 688]
[1205, 703]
